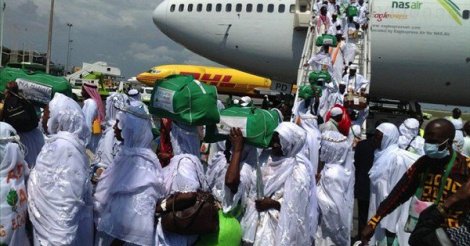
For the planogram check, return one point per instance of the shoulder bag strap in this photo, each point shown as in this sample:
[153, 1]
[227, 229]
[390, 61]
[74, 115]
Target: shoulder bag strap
[445, 176]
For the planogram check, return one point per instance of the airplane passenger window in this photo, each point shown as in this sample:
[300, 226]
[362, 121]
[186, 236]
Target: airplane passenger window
[259, 8]
[199, 7]
[281, 8]
[209, 7]
[466, 14]
[190, 7]
[238, 7]
[249, 7]
[218, 7]
[181, 7]
[292, 8]
[228, 7]
[270, 8]
[172, 8]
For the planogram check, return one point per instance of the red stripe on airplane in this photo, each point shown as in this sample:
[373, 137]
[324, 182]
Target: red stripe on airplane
[195, 75]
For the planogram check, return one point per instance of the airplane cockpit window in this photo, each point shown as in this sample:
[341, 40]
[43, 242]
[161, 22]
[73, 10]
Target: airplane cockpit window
[303, 8]
[190, 7]
[249, 7]
[199, 7]
[228, 7]
[281, 8]
[209, 7]
[154, 71]
[292, 8]
[181, 7]
[466, 14]
[172, 8]
[218, 7]
[259, 8]
[238, 7]
[270, 8]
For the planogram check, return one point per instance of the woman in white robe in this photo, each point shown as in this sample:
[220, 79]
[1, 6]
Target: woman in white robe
[335, 191]
[409, 137]
[283, 207]
[59, 187]
[216, 177]
[184, 174]
[390, 164]
[129, 189]
[109, 146]
[309, 156]
[13, 202]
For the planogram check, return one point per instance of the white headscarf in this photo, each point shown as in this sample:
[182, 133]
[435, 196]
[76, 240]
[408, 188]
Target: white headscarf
[129, 189]
[66, 115]
[388, 146]
[409, 129]
[13, 202]
[184, 139]
[59, 187]
[135, 126]
[334, 148]
[114, 102]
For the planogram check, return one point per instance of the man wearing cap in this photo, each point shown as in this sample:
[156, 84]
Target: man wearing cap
[332, 123]
[354, 82]
[134, 94]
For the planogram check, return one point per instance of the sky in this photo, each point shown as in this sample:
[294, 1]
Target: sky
[120, 32]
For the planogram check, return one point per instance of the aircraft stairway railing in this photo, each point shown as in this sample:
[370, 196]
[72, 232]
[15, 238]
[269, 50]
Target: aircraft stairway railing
[308, 49]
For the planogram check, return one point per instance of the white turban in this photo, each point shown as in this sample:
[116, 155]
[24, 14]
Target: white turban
[335, 111]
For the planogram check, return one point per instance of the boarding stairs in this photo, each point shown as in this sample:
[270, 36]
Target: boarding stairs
[362, 57]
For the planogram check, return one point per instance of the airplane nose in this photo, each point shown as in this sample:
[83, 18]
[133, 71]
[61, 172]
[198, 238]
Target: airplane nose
[159, 15]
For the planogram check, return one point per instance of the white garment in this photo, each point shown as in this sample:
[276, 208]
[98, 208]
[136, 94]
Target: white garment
[13, 202]
[59, 188]
[409, 137]
[320, 59]
[466, 146]
[33, 141]
[90, 110]
[309, 156]
[184, 139]
[335, 190]
[216, 178]
[109, 146]
[330, 125]
[128, 190]
[184, 174]
[355, 83]
[390, 164]
[287, 182]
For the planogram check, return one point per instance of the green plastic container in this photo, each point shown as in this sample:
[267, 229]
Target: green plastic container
[257, 125]
[308, 91]
[185, 100]
[37, 86]
[315, 76]
[352, 11]
[326, 39]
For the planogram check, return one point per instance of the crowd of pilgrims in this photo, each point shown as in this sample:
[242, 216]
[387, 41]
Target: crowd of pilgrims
[64, 184]
[307, 177]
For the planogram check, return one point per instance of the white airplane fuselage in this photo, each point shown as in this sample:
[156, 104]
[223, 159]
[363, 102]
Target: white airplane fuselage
[420, 50]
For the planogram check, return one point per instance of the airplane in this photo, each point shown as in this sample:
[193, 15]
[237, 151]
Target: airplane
[227, 80]
[420, 49]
